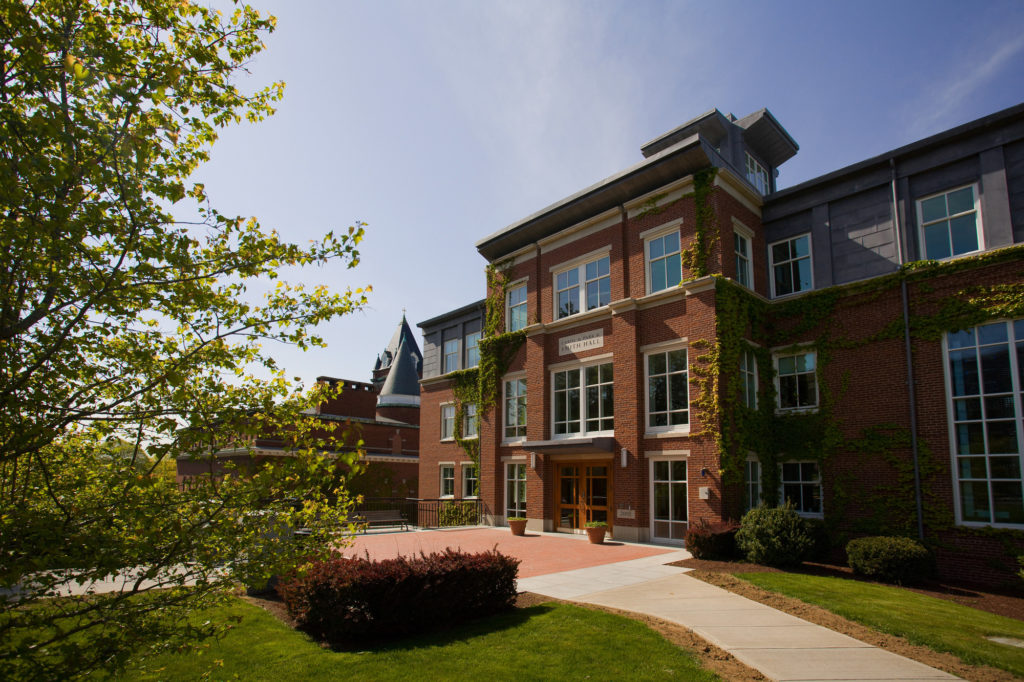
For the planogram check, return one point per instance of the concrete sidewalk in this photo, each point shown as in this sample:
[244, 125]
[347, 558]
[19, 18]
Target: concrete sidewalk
[781, 646]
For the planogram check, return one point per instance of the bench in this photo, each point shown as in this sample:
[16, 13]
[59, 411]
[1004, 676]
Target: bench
[384, 518]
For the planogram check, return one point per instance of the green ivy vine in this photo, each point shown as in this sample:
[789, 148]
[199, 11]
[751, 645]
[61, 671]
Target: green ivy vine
[481, 385]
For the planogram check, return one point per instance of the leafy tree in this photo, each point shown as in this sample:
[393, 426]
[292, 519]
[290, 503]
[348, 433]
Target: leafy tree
[122, 328]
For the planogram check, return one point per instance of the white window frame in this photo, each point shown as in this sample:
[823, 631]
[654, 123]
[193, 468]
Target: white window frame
[581, 369]
[1014, 340]
[447, 367]
[772, 263]
[744, 262]
[444, 467]
[472, 346]
[757, 175]
[778, 355]
[520, 503]
[470, 495]
[579, 266]
[750, 485]
[976, 210]
[801, 482]
[664, 349]
[654, 235]
[505, 397]
[447, 433]
[654, 459]
[470, 418]
[748, 369]
[511, 308]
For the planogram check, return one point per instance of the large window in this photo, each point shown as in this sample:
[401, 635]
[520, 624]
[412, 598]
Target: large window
[757, 175]
[791, 266]
[748, 378]
[572, 297]
[798, 385]
[515, 490]
[515, 314]
[752, 485]
[744, 273]
[584, 400]
[801, 485]
[472, 349]
[668, 483]
[451, 356]
[949, 223]
[668, 404]
[470, 482]
[447, 480]
[470, 421]
[664, 267]
[515, 409]
[986, 386]
[447, 422]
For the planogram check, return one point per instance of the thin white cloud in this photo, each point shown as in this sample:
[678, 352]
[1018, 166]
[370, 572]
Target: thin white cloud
[947, 101]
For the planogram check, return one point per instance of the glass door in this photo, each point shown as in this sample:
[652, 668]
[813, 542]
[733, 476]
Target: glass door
[583, 494]
[668, 487]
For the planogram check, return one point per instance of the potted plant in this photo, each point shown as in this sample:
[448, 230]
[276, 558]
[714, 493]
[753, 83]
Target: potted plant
[596, 531]
[517, 524]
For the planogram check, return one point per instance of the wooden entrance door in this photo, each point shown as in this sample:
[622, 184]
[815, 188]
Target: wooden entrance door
[583, 493]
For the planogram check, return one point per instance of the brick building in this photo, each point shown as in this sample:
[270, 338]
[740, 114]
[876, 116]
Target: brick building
[694, 342]
[383, 413]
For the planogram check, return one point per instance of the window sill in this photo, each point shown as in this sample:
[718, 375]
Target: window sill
[447, 440]
[513, 443]
[473, 437]
[674, 433]
[779, 297]
[584, 434]
[782, 411]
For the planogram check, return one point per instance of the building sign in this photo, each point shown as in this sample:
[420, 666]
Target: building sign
[625, 513]
[581, 342]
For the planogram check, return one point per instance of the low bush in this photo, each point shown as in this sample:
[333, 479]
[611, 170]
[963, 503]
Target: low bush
[350, 599]
[890, 559]
[821, 543]
[457, 514]
[774, 536]
[713, 541]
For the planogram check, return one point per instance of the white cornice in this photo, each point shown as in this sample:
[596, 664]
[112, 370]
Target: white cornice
[739, 190]
[663, 195]
[580, 230]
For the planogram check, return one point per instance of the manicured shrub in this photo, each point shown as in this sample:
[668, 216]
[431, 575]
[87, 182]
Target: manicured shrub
[890, 559]
[774, 536]
[821, 543]
[350, 599]
[457, 514]
[713, 541]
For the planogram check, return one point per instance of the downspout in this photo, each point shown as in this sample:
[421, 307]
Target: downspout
[911, 391]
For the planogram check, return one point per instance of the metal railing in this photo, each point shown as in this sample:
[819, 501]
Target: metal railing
[427, 513]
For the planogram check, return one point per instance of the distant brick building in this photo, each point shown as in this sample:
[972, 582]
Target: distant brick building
[384, 414]
[697, 342]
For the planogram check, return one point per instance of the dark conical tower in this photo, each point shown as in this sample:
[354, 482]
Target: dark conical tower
[387, 359]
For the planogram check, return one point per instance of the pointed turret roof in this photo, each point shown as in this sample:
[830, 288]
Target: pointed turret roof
[402, 387]
[402, 335]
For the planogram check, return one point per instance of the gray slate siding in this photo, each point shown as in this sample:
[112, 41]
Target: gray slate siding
[862, 236]
[1013, 156]
[454, 325]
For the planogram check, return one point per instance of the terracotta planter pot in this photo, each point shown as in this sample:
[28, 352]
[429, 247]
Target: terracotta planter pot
[596, 535]
[518, 527]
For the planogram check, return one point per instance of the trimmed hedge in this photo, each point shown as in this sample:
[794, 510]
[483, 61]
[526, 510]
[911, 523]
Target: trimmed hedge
[713, 541]
[890, 559]
[351, 599]
[774, 536]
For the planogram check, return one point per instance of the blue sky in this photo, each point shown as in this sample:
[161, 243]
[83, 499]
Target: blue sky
[440, 122]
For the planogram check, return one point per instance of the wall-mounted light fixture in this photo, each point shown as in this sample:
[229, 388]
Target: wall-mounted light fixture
[533, 460]
[625, 457]
[704, 473]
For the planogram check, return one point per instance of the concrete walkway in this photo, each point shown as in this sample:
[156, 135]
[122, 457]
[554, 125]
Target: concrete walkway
[781, 646]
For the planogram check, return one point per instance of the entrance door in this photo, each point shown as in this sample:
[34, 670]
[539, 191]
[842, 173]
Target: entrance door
[584, 493]
[668, 486]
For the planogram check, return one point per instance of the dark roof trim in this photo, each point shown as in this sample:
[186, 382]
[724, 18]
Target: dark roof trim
[683, 158]
[452, 314]
[907, 150]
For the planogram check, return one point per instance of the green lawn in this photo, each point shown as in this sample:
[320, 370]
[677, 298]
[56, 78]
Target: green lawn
[935, 623]
[550, 641]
